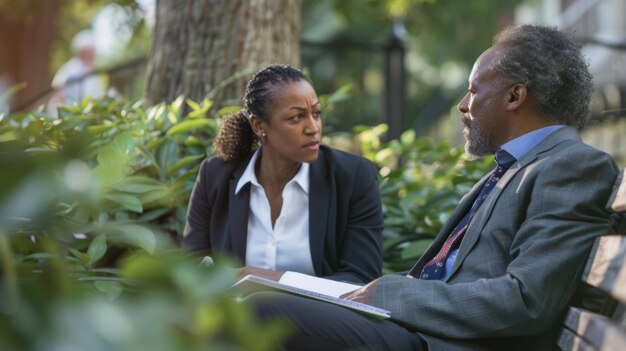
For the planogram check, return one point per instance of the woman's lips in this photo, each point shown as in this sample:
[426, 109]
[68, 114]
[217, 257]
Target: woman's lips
[314, 145]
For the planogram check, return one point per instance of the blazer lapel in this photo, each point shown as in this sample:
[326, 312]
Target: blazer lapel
[239, 210]
[319, 205]
[484, 212]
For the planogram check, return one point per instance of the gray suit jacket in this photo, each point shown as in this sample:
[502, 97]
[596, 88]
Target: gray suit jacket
[521, 257]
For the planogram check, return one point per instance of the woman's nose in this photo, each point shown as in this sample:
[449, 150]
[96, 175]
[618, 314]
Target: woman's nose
[312, 125]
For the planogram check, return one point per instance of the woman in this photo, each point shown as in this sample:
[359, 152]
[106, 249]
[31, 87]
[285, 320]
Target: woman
[278, 200]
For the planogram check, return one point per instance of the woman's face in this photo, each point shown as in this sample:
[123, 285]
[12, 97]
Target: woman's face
[295, 124]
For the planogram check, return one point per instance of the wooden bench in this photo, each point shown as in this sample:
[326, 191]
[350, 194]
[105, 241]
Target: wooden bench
[600, 323]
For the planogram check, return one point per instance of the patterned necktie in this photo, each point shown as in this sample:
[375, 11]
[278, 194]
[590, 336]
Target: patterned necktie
[434, 269]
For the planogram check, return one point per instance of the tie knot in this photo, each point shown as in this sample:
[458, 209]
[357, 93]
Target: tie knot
[504, 159]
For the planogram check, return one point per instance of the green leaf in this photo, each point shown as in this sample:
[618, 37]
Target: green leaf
[341, 94]
[156, 195]
[9, 136]
[111, 289]
[189, 125]
[137, 235]
[138, 184]
[115, 159]
[182, 163]
[130, 202]
[194, 105]
[199, 110]
[124, 142]
[109, 155]
[152, 215]
[144, 268]
[97, 248]
[83, 257]
[227, 110]
[175, 109]
[156, 112]
[99, 129]
[166, 154]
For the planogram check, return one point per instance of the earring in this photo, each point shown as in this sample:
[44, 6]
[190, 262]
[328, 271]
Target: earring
[263, 134]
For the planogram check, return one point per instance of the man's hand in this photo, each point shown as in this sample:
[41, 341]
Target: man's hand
[267, 274]
[363, 294]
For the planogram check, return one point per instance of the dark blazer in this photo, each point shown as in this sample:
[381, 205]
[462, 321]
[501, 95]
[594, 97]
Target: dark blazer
[345, 214]
[521, 258]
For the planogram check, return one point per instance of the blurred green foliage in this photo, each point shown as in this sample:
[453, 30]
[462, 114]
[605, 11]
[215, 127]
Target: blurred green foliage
[92, 206]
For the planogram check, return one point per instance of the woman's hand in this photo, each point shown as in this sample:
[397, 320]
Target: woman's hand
[264, 273]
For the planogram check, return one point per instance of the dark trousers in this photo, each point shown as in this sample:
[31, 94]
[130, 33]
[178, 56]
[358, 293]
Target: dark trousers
[323, 326]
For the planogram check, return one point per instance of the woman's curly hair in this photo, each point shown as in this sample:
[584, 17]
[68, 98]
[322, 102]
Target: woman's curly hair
[236, 139]
[552, 67]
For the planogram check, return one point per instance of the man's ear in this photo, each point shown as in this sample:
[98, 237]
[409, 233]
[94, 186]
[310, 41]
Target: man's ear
[516, 96]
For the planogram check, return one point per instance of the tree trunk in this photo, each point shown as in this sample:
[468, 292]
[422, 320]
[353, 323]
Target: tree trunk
[25, 42]
[209, 48]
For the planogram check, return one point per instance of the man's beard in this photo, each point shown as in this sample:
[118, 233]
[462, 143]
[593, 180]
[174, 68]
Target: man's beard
[476, 141]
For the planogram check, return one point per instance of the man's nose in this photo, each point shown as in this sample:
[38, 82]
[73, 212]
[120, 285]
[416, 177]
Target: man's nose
[462, 106]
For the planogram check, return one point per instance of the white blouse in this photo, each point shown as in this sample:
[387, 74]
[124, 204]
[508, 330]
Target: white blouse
[286, 246]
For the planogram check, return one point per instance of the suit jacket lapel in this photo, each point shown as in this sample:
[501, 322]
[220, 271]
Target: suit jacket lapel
[477, 223]
[458, 213]
[487, 208]
[319, 205]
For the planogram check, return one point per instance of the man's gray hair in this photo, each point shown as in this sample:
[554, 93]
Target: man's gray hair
[552, 67]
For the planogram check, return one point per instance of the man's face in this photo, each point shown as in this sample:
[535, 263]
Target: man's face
[483, 110]
[87, 55]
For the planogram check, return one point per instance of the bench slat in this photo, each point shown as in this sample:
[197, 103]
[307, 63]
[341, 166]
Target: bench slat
[597, 331]
[570, 341]
[618, 196]
[604, 288]
[607, 270]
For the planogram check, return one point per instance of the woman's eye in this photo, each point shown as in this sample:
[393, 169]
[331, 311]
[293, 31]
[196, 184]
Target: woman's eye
[317, 114]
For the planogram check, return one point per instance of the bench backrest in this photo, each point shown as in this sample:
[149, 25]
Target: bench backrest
[605, 272]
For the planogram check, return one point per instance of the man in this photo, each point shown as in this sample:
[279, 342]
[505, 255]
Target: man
[500, 273]
[74, 80]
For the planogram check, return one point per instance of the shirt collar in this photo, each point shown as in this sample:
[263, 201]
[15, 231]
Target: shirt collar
[248, 176]
[521, 145]
[302, 177]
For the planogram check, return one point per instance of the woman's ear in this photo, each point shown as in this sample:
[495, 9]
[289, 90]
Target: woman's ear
[516, 96]
[257, 125]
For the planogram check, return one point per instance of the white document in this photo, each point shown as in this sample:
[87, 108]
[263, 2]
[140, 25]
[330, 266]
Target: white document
[318, 285]
[313, 287]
